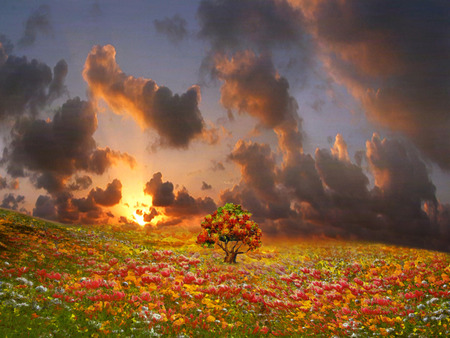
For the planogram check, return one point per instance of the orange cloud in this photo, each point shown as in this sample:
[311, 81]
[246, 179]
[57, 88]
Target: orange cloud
[176, 118]
[339, 149]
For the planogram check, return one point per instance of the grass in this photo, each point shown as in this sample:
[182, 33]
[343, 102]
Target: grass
[76, 280]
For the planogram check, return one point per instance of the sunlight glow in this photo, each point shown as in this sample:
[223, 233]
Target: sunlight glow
[139, 218]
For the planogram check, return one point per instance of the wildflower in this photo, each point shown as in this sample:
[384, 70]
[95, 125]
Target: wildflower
[178, 322]
[36, 307]
[24, 281]
[264, 329]
[41, 288]
[22, 305]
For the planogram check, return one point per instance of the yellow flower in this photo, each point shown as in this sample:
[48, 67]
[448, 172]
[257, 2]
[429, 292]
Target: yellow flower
[178, 322]
[210, 319]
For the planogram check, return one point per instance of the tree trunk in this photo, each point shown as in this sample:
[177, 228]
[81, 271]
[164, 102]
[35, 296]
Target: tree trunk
[230, 258]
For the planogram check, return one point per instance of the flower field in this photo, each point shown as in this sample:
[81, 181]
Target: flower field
[60, 280]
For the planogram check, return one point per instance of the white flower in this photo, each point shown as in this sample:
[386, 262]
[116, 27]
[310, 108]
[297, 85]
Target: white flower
[156, 316]
[153, 333]
[23, 304]
[41, 288]
[24, 281]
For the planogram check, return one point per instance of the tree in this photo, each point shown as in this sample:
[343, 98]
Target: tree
[232, 230]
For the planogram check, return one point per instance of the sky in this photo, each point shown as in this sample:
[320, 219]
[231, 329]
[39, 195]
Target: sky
[322, 118]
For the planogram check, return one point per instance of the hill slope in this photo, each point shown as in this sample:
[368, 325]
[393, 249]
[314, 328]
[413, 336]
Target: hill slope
[90, 281]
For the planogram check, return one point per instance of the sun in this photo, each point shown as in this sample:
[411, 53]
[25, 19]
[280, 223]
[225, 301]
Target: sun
[136, 206]
[138, 217]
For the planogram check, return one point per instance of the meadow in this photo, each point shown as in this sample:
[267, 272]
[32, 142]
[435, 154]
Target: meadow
[97, 281]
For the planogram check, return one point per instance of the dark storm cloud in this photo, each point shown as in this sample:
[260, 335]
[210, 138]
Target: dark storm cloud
[110, 196]
[234, 24]
[174, 28]
[64, 207]
[404, 184]
[61, 146]
[38, 22]
[180, 205]
[176, 118]
[252, 85]
[45, 208]
[258, 186]
[401, 208]
[86, 204]
[185, 205]
[10, 201]
[50, 181]
[80, 183]
[330, 195]
[55, 150]
[162, 192]
[398, 170]
[206, 186]
[393, 56]
[299, 175]
[67, 211]
[57, 87]
[257, 166]
[90, 208]
[341, 176]
[27, 86]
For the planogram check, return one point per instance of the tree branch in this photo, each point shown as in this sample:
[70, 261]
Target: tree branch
[224, 249]
[235, 245]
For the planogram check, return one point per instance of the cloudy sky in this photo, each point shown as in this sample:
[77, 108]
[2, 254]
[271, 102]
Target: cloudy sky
[321, 117]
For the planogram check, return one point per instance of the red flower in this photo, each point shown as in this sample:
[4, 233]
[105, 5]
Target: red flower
[113, 261]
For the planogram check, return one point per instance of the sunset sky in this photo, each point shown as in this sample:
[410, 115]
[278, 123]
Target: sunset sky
[320, 117]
